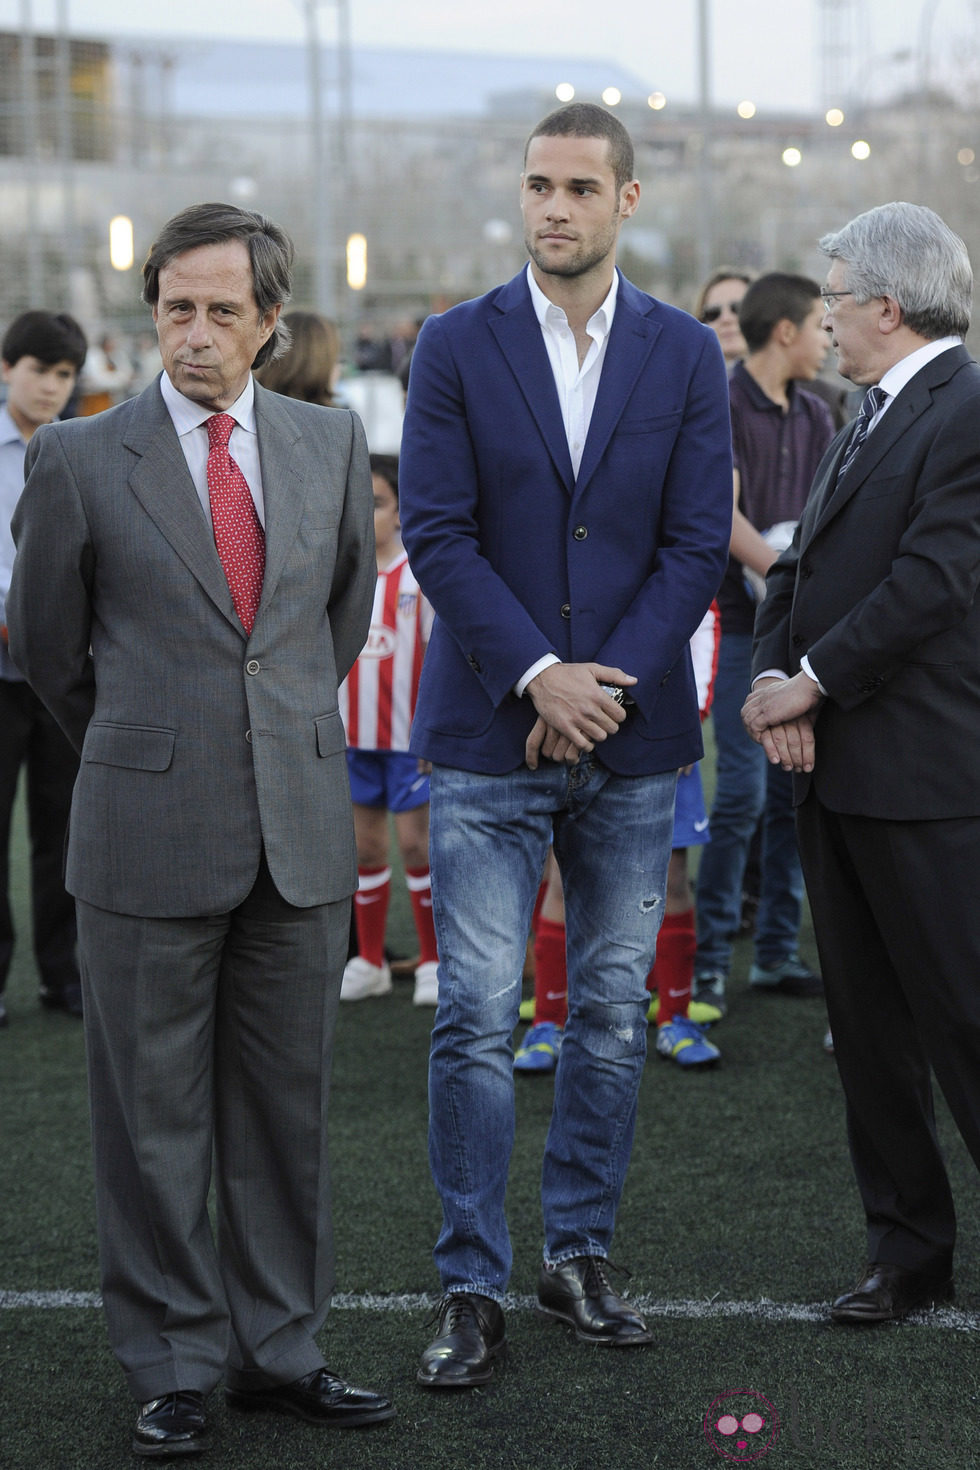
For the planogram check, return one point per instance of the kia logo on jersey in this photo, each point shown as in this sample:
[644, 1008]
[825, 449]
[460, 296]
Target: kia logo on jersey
[380, 642]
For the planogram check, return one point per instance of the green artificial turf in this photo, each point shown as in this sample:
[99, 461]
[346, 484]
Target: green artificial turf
[739, 1222]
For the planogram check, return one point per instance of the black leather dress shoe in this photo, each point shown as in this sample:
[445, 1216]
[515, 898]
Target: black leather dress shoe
[888, 1293]
[578, 1292]
[171, 1425]
[471, 1336]
[319, 1398]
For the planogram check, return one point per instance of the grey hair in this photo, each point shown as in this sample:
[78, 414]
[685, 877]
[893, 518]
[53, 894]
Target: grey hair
[908, 252]
[270, 252]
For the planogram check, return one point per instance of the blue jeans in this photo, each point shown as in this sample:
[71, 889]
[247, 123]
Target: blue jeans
[748, 787]
[489, 838]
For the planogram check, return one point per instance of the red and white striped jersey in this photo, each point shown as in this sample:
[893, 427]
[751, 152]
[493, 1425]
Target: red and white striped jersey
[704, 656]
[377, 699]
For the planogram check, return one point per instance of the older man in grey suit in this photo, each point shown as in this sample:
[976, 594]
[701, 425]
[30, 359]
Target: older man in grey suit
[186, 606]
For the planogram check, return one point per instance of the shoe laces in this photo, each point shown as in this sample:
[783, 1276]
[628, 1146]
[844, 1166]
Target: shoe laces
[598, 1268]
[453, 1311]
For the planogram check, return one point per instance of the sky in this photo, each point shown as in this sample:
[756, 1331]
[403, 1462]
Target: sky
[764, 50]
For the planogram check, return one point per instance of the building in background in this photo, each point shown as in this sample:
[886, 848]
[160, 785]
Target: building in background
[95, 128]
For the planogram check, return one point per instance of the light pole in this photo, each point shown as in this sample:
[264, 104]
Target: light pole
[706, 213]
[323, 296]
[324, 255]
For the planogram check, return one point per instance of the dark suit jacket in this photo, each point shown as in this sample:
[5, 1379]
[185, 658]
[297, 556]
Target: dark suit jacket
[198, 746]
[520, 557]
[879, 588]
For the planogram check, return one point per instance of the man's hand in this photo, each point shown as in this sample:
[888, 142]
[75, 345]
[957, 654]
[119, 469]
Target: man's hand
[776, 701]
[778, 714]
[792, 745]
[574, 714]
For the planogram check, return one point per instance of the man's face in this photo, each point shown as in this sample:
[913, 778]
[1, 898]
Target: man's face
[208, 324]
[572, 209]
[37, 391]
[811, 344]
[853, 330]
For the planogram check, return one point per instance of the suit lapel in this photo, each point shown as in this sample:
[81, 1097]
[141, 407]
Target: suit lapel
[909, 405]
[631, 340]
[288, 470]
[162, 484]
[518, 333]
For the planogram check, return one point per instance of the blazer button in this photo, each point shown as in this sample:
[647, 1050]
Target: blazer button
[248, 736]
[474, 663]
[797, 640]
[253, 666]
[566, 609]
[580, 533]
[806, 570]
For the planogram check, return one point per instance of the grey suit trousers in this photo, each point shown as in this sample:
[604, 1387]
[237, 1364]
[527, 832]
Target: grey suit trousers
[217, 1027]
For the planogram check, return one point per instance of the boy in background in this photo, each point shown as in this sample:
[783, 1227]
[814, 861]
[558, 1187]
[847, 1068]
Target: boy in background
[779, 434]
[377, 703]
[42, 355]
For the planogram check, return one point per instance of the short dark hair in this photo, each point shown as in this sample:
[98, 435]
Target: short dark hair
[269, 247]
[47, 335]
[775, 298]
[586, 120]
[386, 466]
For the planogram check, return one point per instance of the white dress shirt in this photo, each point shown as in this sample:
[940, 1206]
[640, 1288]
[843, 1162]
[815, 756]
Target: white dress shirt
[190, 420]
[576, 385]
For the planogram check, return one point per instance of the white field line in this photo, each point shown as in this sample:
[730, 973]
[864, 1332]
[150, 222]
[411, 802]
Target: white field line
[706, 1310]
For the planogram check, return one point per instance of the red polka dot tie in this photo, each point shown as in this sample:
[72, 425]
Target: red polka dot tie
[238, 533]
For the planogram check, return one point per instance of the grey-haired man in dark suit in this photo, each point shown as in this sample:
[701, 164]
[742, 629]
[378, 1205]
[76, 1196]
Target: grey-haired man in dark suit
[873, 614]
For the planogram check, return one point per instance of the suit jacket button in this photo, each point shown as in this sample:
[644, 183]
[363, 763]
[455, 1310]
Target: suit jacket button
[580, 533]
[797, 640]
[566, 609]
[253, 666]
[474, 663]
[248, 736]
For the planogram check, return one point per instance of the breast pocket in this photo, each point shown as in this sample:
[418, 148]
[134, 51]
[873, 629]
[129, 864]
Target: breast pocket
[650, 423]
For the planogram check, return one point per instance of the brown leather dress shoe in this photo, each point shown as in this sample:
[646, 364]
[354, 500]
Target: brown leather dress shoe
[171, 1425]
[471, 1336]
[578, 1292]
[888, 1293]
[319, 1398]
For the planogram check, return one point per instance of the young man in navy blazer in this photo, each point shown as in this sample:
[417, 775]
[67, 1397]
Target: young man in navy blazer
[566, 504]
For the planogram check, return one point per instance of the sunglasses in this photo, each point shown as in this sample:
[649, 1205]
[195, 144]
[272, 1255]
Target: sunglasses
[712, 313]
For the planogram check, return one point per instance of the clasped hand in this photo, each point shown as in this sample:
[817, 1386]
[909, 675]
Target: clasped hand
[574, 714]
[779, 715]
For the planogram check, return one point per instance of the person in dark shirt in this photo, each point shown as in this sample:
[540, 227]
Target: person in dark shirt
[779, 433]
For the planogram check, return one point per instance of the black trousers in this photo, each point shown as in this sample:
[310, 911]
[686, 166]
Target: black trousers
[30, 738]
[898, 929]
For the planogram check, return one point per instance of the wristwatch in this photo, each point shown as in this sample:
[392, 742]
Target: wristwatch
[615, 691]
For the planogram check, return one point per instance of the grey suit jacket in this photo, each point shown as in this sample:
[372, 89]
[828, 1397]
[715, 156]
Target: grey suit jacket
[197, 745]
[880, 589]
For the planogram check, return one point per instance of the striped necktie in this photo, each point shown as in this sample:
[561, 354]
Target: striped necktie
[870, 405]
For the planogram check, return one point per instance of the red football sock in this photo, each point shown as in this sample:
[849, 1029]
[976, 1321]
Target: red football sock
[371, 912]
[550, 974]
[420, 892]
[673, 969]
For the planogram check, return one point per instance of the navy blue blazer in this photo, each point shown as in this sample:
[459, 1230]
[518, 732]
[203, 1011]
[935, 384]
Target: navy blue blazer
[520, 558]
